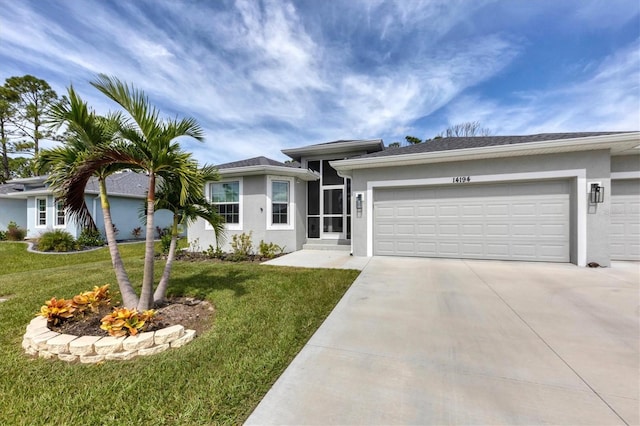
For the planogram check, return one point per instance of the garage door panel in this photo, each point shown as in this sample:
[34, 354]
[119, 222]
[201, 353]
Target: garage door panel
[518, 227]
[624, 231]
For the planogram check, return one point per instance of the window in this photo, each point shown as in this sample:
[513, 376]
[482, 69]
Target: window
[41, 212]
[279, 202]
[60, 214]
[226, 196]
[280, 206]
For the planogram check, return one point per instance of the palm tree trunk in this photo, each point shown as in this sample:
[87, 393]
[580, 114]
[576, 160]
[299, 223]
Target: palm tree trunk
[129, 296]
[146, 295]
[161, 291]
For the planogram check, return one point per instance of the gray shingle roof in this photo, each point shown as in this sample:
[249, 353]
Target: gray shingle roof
[7, 188]
[125, 183]
[449, 144]
[256, 161]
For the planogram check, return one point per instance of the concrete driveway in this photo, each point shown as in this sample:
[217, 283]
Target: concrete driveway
[439, 341]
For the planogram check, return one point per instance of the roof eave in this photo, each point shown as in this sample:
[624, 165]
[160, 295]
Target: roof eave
[304, 174]
[333, 148]
[618, 143]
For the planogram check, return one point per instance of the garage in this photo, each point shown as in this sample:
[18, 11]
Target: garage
[517, 221]
[624, 235]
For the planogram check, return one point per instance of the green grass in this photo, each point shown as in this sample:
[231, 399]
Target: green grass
[264, 315]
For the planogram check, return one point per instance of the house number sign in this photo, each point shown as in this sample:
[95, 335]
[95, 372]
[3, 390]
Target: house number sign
[461, 179]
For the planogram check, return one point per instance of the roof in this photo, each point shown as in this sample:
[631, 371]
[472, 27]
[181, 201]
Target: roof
[256, 161]
[448, 144]
[123, 184]
[264, 165]
[336, 147]
[482, 147]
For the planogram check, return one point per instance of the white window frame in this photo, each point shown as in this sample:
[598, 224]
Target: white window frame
[56, 210]
[229, 226]
[46, 213]
[290, 225]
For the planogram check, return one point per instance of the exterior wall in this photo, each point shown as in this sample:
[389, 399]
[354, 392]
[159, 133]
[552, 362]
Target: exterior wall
[254, 214]
[625, 163]
[124, 213]
[125, 216]
[13, 210]
[595, 164]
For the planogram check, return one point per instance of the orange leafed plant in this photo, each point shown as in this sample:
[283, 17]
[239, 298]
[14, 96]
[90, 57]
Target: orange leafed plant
[123, 321]
[92, 299]
[57, 310]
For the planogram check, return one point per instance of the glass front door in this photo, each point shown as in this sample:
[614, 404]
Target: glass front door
[327, 203]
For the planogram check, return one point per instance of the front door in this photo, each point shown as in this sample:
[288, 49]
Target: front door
[327, 203]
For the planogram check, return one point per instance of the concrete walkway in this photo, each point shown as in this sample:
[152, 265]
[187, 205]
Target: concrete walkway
[438, 341]
[332, 259]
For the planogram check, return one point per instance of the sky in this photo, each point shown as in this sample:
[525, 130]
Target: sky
[262, 76]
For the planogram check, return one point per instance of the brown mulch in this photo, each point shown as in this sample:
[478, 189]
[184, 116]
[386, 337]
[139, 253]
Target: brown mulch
[191, 313]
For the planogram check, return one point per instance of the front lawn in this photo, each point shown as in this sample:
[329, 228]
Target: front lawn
[264, 315]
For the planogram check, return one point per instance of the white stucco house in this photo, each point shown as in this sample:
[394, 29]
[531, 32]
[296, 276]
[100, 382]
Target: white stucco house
[553, 197]
[31, 203]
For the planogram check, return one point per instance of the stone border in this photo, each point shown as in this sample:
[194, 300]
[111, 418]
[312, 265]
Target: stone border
[40, 341]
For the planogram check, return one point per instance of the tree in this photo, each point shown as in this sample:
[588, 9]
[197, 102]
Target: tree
[8, 101]
[394, 145]
[87, 133]
[468, 129]
[412, 140]
[185, 212]
[149, 145]
[35, 98]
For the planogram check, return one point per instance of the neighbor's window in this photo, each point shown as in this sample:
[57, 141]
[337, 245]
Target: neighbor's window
[279, 202]
[60, 216]
[226, 196]
[41, 212]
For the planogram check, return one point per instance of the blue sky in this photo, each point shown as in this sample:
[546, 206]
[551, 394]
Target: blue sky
[265, 76]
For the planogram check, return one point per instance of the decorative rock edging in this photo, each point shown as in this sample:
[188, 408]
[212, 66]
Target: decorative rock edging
[41, 342]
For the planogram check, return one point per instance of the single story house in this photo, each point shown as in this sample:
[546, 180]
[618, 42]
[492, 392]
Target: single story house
[553, 197]
[31, 203]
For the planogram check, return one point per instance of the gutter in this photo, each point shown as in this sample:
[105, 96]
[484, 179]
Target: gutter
[304, 174]
[628, 140]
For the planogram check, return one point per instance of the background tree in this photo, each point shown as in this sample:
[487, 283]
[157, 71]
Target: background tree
[412, 140]
[463, 130]
[35, 98]
[8, 101]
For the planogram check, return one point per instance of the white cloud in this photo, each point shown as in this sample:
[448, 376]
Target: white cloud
[608, 99]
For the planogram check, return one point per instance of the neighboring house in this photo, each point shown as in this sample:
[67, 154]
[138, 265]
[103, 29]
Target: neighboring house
[555, 197]
[31, 203]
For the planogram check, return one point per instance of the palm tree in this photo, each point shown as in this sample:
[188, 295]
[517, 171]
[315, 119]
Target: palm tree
[149, 144]
[185, 212]
[86, 134]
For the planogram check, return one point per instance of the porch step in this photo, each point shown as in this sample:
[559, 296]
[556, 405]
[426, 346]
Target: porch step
[328, 245]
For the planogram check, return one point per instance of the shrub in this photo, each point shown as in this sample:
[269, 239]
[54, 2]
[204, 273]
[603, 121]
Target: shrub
[163, 231]
[90, 238]
[15, 233]
[3, 235]
[57, 240]
[123, 322]
[136, 232]
[91, 300]
[57, 310]
[165, 243]
[242, 246]
[214, 252]
[270, 250]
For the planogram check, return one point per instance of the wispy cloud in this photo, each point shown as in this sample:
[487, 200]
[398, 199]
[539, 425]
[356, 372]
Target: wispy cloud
[263, 76]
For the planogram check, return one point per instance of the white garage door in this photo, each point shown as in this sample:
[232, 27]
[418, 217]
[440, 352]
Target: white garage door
[624, 236]
[511, 227]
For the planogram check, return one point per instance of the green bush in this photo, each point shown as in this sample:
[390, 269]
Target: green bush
[3, 235]
[242, 247]
[165, 242]
[90, 238]
[270, 250]
[57, 240]
[15, 233]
